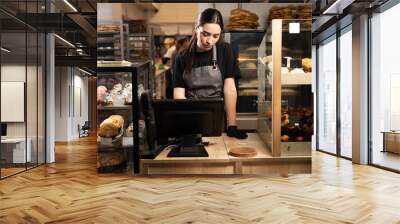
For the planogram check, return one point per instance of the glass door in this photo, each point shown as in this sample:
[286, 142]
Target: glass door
[346, 92]
[385, 89]
[14, 153]
[326, 96]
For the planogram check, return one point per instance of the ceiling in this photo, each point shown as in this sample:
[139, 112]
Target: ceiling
[72, 20]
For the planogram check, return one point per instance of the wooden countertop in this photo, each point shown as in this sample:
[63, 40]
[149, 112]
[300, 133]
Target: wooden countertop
[218, 149]
[219, 162]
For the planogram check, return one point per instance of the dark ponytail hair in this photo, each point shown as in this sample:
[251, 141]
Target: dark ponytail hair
[209, 15]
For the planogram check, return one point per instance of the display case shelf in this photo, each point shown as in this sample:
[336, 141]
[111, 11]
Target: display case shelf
[108, 32]
[296, 79]
[126, 107]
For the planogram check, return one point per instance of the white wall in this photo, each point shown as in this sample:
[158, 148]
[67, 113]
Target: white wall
[113, 13]
[80, 112]
[105, 13]
[70, 83]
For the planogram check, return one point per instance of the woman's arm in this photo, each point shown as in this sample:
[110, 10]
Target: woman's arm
[179, 93]
[230, 96]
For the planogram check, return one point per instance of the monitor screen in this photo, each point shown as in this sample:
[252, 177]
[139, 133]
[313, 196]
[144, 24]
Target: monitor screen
[176, 118]
[186, 121]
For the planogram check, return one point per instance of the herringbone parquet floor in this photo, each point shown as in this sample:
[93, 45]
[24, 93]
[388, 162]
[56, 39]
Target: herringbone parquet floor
[70, 191]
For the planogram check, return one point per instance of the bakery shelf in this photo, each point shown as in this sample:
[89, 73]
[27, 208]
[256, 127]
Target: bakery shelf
[125, 107]
[112, 49]
[108, 32]
[296, 79]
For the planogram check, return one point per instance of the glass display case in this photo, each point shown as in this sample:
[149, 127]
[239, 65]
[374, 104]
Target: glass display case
[285, 100]
[120, 127]
[297, 97]
[245, 45]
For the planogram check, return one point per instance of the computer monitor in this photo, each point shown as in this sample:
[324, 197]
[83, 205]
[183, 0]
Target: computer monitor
[3, 130]
[187, 121]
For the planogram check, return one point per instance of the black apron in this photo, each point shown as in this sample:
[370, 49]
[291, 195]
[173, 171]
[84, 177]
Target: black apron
[205, 81]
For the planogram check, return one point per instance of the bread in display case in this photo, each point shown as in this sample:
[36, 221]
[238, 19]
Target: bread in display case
[120, 133]
[297, 127]
[285, 102]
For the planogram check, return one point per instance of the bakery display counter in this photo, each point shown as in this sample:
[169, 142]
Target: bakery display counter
[120, 131]
[220, 162]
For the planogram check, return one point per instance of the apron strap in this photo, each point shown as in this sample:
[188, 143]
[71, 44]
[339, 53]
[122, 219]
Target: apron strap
[214, 57]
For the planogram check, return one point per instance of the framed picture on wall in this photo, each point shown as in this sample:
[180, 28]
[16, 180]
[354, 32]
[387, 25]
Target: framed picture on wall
[12, 101]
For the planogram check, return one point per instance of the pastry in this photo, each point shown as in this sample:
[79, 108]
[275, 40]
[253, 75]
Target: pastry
[127, 92]
[129, 130]
[243, 19]
[111, 127]
[284, 138]
[101, 93]
[108, 28]
[302, 12]
[307, 64]
[108, 100]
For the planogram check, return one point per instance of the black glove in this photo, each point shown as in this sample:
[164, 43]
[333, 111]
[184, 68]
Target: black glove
[234, 132]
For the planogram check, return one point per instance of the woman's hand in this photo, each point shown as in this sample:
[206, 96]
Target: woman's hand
[234, 132]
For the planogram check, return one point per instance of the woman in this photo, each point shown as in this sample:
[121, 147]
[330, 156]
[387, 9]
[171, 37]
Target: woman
[206, 68]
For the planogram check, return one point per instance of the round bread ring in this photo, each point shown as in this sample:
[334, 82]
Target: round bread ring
[243, 152]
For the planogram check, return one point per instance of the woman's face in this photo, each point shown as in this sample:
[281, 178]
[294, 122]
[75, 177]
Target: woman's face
[208, 35]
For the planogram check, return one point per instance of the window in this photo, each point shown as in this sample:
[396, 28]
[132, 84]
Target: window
[385, 89]
[327, 96]
[346, 92]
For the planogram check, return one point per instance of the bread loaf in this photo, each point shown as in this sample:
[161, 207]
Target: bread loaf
[111, 126]
[306, 64]
[244, 19]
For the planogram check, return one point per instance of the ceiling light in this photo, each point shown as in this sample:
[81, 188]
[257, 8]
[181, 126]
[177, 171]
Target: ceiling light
[86, 72]
[70, 5]
[5, 50]
[294, 27]
[65, 41]
[337, 7]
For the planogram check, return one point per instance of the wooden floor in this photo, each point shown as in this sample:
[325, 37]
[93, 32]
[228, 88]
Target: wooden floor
[70, 191]
[387, 159]
[10, 171]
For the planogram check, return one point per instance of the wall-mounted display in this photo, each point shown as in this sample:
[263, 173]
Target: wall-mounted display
[12, 98]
